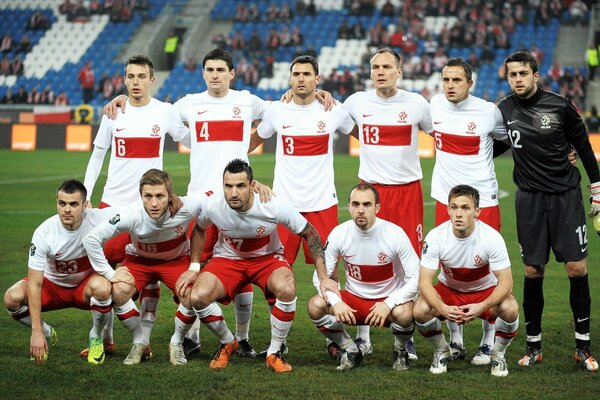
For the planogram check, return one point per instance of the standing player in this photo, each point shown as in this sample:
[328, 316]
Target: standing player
[465, 128]
[475, 280]
[388, 122]
[542, 127]
[60, 275]
[382, 271]
[159, 250]
[248, 251]
[136, 140]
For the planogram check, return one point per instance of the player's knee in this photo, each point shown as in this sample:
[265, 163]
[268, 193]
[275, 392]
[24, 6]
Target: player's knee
[402, 314]
[534, 271]
[101, 288]
[121, 293]
[509, 309]
[199, 297]
[316, 307]
[420, 311]
[14, 297]
[576, 268]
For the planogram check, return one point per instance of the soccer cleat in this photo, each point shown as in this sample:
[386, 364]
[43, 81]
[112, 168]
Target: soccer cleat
[482, 355]
[177, 354]
[412, 350]
[586, 359]
[532, 355]
[334, 351]
[52, 339]
[277, 363]
[401, 360]
[349, 360]
[221, 357]
[139, 352]
[458, 352]
[364, 346]
[96, 351]
[499, 367]
[190, 347]
[439, 365]
[283, 350]
[109, 348]
[245, 349]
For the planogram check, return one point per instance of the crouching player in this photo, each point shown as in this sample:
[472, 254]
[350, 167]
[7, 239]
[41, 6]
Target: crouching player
[382, 273]
[475, 280]
[158, 252]
[61, 276]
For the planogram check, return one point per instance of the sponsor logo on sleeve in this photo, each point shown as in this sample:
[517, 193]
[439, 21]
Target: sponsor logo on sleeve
[114, 220]
[32, 250]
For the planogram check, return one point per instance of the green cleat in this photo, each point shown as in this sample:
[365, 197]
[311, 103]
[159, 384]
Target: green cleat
[96, 352]
[52, 339]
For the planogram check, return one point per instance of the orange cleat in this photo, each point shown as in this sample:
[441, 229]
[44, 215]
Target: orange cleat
[278, 364]
[221, 358]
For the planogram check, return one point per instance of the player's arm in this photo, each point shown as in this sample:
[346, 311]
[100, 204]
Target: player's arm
[433, 299]
[110, 110]
[501, 292]
[315, 247]
[255, 141]
[322, 96]
[101, 145]
[197, 239]
[38, 346]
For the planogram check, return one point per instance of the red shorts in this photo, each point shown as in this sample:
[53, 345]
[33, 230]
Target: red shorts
[235, 274]
[114, 249]
[489, 215]
[324, 221]
[403, 205]
[361, 305]
[455, 298]
[145, 270]
[55, 297]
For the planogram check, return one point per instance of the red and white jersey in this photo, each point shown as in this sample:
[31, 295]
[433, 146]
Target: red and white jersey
[464, 140]
[304, 156]
[162, 239]
[136, 139]
[379, 262]
[59, 253]
[467, 264]
[388, 131]
[220, 129]
[252, 233]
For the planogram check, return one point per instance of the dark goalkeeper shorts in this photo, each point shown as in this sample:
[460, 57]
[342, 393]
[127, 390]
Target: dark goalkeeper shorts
[551, 221]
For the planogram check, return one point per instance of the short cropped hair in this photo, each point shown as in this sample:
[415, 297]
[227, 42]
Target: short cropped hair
[72, 186]
[306, 59]
[155, 177]
[459, 62]
[384, 50]
[238, 166]
[219, 54]
[524, 57]
[363, 187]
[141, 59]
[464, 190]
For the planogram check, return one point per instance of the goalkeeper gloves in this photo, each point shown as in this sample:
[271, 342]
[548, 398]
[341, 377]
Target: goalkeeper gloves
[594, 199]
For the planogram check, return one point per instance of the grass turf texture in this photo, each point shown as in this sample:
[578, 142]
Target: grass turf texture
[28, 181]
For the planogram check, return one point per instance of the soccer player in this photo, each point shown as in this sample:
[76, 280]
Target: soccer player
[465, 128]
[382, 273]
[475, 280]
[388, 122]
[136, 140]
[249, 251]
[542, 126]
[60, 275]
[159, 250]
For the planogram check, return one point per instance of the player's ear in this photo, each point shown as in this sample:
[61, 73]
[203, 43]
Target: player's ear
[377, 208]
[477, 212]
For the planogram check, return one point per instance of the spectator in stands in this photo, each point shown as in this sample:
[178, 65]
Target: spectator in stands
[34, 96]
[542, 16]
[87, 81]
[9, 97]
[61, 99]
[108, 7]
[375, 35]
[592, 122]
[431, 45]
[251, 75]
[357, 31]
[487, 55]
[297, 37]
[285, 37]
[25, 44]
[272, 13]
[344, 30]
[38, 21]
[17, 66]
[311, 9]
[80, 13]
[47, 96]
[122, 11]
[285, 14]
[96, 7]
[311, 51]
[473, 60]
[300, 7]
[21, 96]
[219, 41]
[537, 53]
[555, 72]
[106, 87]
[171, 43]
[5, 66]
[592, 57]
[190, 64]
[241, 13]
[66, 7]
[272, 41]
[237, 41]
[118, 84]
[6, 44]
[254, 44]
[439, 60]
[269, 64]
[387, 10]
[501, 72]
[578, 11]
[253, 13]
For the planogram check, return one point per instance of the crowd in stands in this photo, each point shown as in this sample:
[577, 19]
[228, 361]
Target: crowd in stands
[13, 51]
[35, 97]
[118, 10]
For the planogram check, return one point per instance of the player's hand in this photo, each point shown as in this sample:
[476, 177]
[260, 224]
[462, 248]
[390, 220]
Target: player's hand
[122, 274]
[87, 204]
[344, 313]
[110, 110]
[187, 279]
[594, 199]
[38, 347]
[175, 204]
[326, 99]
[287, 96]
[264, 192]
[378, 315]
[331, 285]
[572, 157]
[453, 313]
[472, 311]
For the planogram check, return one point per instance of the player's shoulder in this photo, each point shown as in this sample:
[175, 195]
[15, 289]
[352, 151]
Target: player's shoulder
[191, 98]
[46, 228]
[357, 96]
[439, 98]
[487, 232]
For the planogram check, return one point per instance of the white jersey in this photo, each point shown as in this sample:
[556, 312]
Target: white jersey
[136, 139]
[467, 264]
[464, 140]
[220, 130]
[252, 233]
[58, 252]
[304, 155]
[388, 132]
[379, 263]
[162, 239]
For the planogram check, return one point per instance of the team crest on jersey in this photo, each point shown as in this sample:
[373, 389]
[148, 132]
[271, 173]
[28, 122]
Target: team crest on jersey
[261, 231]
[179, 230]
[382, 257]
[425, 247]
[402, 117]
[478, 261]
[321, 127]
[32, 250]
[471, 128]
[236, 112]
[114, 220]
[545, 122]
[155, 130]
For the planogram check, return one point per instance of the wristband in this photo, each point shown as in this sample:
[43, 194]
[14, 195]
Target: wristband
[194, 266]
[332, 298]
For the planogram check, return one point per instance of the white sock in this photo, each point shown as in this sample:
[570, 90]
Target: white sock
[456, 332]
[212, 318]
[432, 331]
[505, 333]
[402, 334]
[22, 316]
[184, 318]
[242, 305]
[130, 318]
[363, 332]
[334, 331]
[489, 331]
[101, 312]
[282, 317]
[149, 298]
